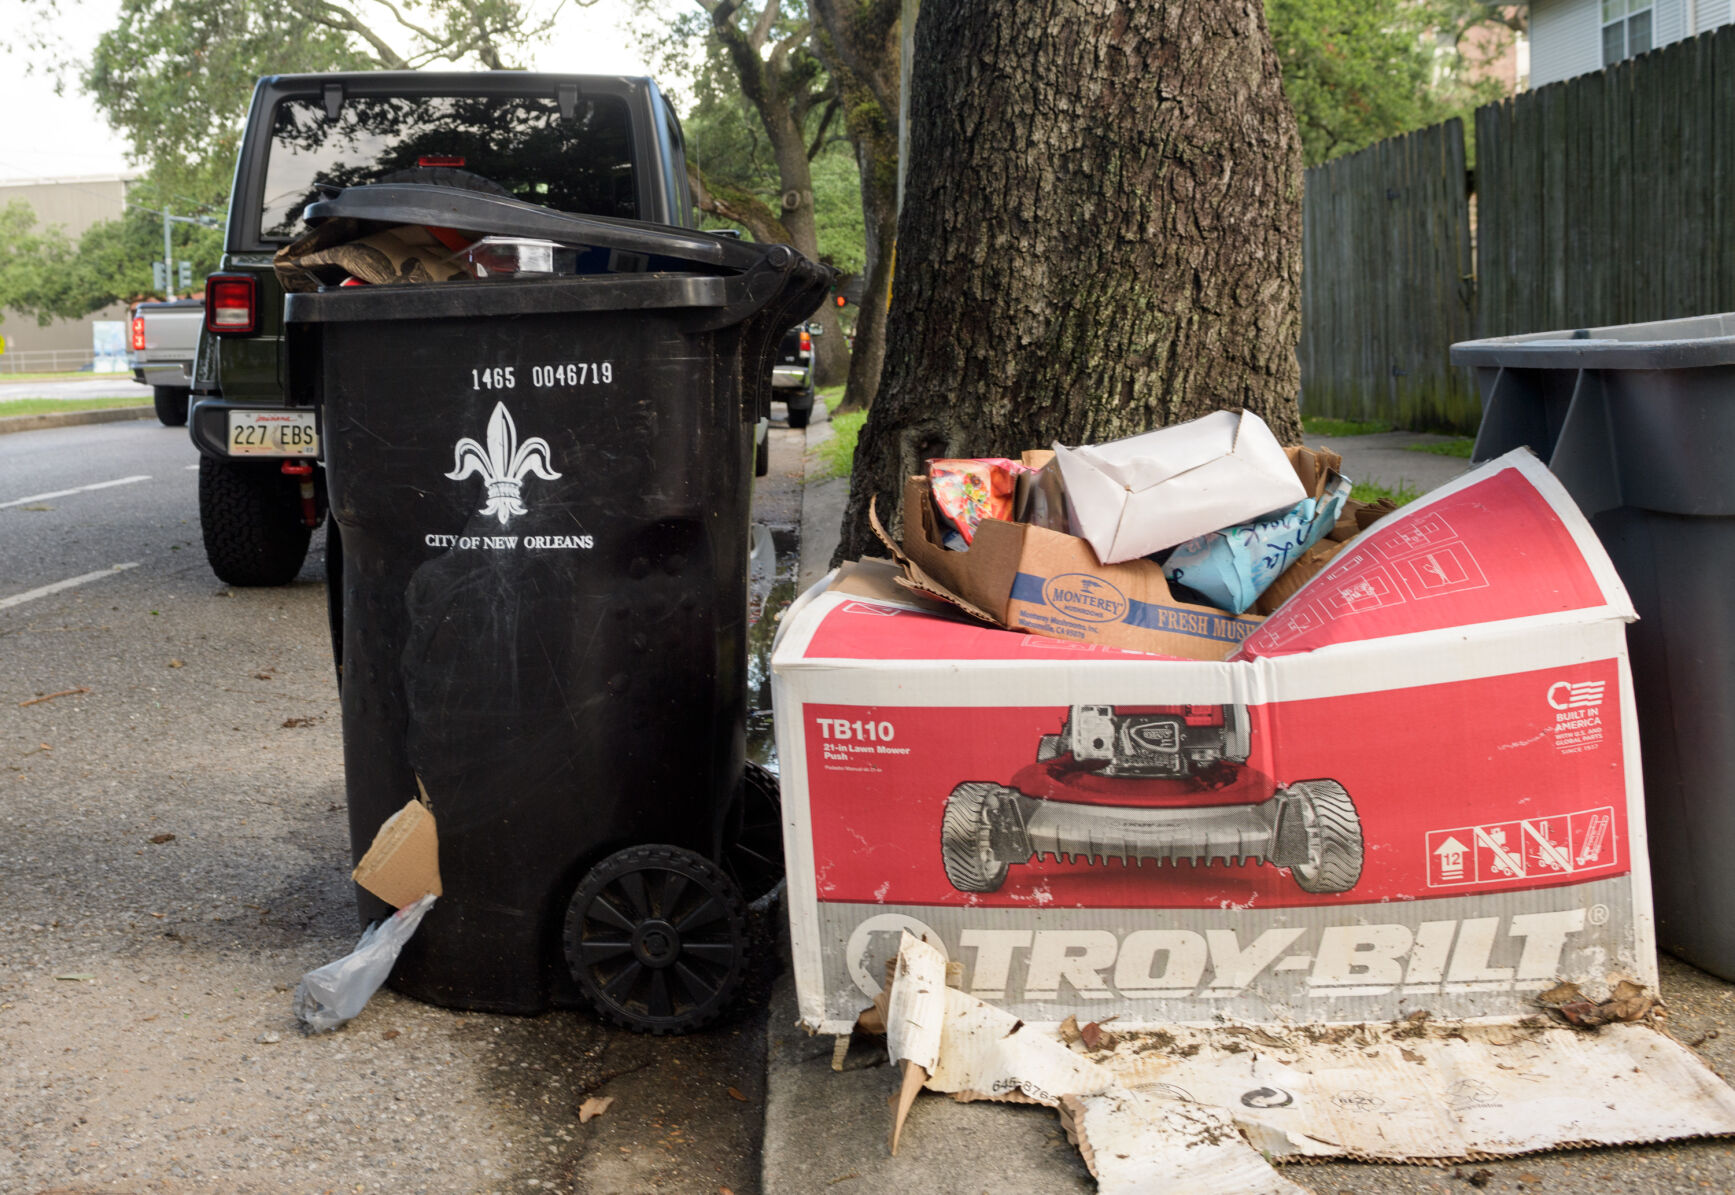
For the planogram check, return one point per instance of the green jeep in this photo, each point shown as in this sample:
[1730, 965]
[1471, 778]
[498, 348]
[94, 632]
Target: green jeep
[606, 146]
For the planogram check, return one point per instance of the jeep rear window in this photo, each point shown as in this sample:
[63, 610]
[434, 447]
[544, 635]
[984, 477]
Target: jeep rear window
[583, 165]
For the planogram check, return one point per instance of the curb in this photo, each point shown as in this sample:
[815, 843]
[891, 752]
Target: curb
[31, 423]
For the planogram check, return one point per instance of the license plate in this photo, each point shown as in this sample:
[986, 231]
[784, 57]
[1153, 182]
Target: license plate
[272, 433]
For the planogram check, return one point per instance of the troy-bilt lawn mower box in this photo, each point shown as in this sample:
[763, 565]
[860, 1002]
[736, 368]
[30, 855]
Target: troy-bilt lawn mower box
[1415, 787]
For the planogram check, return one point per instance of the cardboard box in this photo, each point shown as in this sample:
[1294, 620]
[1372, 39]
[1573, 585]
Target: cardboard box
[402, 864]
[1149, 492]
[1030, 578]
[1416, 787]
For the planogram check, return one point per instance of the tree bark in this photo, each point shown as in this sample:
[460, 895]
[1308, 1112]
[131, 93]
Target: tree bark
[1101, 234]
[859, 41]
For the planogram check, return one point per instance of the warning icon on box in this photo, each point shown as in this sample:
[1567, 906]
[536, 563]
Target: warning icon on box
[1537, 849]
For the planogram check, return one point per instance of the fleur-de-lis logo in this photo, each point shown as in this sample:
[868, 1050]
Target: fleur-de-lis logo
[504, 464]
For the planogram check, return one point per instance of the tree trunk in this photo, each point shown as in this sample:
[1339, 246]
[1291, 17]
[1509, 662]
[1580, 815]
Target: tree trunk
[1101, 234]
[858, 39]
[775, 82]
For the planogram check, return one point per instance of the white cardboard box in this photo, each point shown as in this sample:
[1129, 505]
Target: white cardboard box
[1140, 495]
[1417, 787]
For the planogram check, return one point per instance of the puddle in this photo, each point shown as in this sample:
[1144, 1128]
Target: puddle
[771, 590]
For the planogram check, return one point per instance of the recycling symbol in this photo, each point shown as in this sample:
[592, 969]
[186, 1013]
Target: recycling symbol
[1267, 1097]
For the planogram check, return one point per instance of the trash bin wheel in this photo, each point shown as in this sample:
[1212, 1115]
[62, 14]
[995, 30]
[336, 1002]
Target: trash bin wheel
[171, 404]
[250, 515]
[656, 937]
[752, 853]
[1334, 837]
[965, 849]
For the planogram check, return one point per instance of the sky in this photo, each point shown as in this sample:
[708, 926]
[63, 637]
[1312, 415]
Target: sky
[65, 136]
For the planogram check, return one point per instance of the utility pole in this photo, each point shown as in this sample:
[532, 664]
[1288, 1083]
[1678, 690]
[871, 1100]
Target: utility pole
[168, 261]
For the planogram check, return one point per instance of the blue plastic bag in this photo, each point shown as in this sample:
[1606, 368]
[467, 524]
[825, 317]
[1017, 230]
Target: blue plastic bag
[1232, 567]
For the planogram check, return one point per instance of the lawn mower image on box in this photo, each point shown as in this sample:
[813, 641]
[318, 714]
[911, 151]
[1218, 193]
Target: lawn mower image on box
[1168, 782]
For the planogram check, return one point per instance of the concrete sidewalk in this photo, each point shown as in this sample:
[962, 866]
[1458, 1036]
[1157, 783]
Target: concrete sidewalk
[827, 1129]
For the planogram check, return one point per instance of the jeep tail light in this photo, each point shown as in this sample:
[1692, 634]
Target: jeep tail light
[138, 333]
[231, 304]
[806, 341]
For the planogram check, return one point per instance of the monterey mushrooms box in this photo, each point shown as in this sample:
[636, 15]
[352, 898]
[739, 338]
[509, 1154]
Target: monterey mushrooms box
[1415, 788]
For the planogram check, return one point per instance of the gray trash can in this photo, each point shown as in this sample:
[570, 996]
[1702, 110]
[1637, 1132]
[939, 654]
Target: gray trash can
[1638, 421]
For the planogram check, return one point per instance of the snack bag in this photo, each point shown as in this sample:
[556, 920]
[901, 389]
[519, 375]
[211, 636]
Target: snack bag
[1232, 567]
[968, 491]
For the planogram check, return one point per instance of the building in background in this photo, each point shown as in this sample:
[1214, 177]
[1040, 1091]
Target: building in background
[1575, 37]
[74, 204]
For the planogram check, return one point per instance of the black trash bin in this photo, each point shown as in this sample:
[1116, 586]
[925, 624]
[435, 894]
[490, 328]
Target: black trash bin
[542, 490]
[1638, 421]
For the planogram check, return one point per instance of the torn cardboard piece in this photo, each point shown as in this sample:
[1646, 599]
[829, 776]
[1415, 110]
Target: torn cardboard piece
[1153, 491]
[1024, 577]
[1207, 1102]
[402, 864]
[1136, 1142]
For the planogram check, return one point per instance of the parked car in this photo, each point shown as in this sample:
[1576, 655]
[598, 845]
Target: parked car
[161, 343]
[792, 376]
[605, 146]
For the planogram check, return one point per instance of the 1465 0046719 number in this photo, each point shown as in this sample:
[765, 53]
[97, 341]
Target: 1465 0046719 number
[573, 373]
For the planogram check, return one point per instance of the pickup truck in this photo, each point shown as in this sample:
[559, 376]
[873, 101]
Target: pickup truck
[161, 343]
[594, 145]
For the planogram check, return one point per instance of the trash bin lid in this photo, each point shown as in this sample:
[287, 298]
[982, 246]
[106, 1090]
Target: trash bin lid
[482, 214]
[1689, 343]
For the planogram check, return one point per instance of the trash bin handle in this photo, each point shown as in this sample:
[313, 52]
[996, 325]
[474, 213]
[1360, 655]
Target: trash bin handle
[498, 215]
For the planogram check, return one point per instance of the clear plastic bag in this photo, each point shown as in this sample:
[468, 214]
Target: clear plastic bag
[329, 996]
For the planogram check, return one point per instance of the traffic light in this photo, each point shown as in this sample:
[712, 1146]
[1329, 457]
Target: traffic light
[160, 277]
[186, 275]
[840, 300]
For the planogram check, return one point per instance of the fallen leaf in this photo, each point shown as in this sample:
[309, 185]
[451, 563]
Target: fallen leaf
[389, 1034]
[82, 976]
[735, 1094]
[159, 839]
[177, 663]
[1095, 1037]
[294, 723]
[593, 1107]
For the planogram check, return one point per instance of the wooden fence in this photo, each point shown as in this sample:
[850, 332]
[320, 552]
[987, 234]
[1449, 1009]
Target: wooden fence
[1605, 199]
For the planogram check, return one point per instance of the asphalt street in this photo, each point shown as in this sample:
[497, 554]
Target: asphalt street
[174, 855]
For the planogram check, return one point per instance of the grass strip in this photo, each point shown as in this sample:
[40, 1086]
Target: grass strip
[1368, 491]
[49, 406]
[837, 454]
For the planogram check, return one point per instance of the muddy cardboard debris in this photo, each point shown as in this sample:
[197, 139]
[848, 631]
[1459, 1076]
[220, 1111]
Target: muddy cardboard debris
[1208, 1107]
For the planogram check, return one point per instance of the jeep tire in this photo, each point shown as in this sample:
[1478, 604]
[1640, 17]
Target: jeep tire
[171, 404]
[250, 514]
